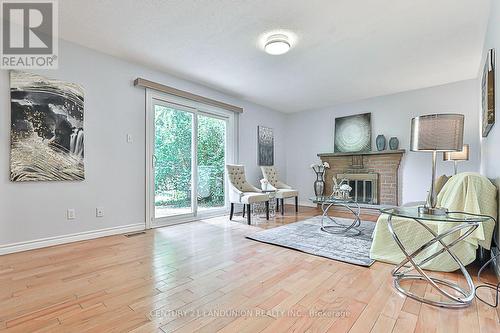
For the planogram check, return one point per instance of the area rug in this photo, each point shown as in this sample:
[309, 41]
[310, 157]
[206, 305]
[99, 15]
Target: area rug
[306, 236]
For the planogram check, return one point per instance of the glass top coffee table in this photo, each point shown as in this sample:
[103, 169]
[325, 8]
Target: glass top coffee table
[463, 224]
[335, 227]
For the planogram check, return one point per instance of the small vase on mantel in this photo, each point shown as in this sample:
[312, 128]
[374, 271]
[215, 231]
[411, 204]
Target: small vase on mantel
[381, 142]
[394, 143]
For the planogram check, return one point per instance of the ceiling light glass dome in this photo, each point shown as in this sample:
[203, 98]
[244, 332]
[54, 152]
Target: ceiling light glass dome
[277, 44]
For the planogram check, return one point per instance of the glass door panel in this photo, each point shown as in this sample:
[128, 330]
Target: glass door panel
[211, 160]
[173, 161]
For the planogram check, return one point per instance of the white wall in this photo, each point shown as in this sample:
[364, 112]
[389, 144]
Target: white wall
[490, 145]
[311, 132]
[114, 169]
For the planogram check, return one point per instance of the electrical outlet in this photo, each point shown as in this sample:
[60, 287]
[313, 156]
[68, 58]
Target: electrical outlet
[130, 139]
[99, 212]
[71, 214]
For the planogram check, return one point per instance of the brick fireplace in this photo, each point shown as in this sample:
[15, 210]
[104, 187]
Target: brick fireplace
[374, 174]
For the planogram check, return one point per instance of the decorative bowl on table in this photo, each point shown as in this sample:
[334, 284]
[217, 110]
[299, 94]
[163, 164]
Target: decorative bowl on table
[341, 190]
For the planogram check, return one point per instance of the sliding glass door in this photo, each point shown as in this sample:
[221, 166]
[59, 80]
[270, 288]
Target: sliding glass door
[189, 146]
[173, 160]
[211, 160]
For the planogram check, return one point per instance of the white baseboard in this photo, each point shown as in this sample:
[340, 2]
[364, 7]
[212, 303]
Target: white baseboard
[57, 240]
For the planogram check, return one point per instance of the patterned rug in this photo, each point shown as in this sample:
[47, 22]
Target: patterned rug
[306, 236]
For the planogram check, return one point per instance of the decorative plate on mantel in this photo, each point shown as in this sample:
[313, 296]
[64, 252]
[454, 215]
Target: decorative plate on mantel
[353, 134]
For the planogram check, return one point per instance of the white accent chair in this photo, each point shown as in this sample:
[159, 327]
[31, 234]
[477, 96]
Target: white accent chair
[242, 192]
[283, 191]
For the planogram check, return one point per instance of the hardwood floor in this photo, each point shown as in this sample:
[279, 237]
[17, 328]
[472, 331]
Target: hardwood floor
[206, 277]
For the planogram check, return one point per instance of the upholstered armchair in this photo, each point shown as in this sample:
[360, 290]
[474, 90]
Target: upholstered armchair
[242, 192]
[283, 191]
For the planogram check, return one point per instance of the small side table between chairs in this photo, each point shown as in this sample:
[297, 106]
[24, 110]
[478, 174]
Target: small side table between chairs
[259, 209]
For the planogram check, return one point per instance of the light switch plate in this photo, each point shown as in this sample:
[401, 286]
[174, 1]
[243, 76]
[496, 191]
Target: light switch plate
[71, 214]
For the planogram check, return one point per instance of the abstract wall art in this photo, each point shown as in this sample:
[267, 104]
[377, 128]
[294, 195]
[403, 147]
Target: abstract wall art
[488, 93]
[265, 146]
[353, 134]
[46, 129]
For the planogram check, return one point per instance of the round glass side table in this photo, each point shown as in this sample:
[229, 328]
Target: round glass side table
[336, 227]
[464, 224]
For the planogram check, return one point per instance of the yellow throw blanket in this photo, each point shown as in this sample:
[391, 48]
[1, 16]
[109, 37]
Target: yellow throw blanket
[466, 192]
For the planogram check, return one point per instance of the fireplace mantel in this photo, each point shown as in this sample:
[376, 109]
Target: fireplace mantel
[383, 152]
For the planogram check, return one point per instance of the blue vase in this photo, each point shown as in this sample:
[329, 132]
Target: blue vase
[394, 143]
[380, 142]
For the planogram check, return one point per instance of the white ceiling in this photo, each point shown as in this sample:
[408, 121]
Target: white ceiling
[345, 49]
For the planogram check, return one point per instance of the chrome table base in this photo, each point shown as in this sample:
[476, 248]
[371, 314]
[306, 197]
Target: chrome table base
[463, 297]
[337, 227]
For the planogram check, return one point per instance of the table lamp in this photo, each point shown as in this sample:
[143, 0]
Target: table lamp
[457, 156]
[436, 133]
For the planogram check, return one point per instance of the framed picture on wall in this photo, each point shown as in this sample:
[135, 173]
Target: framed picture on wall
[488, 93]
[265, 145]
[353, 134]
[46, 129]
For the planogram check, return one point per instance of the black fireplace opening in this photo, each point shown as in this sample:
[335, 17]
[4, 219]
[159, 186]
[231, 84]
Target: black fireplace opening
[362, 191]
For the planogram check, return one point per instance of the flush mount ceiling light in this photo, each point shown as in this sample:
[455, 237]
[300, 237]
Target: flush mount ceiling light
[277, 44]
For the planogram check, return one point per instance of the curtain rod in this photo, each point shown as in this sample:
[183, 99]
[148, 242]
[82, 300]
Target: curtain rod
[181, 93]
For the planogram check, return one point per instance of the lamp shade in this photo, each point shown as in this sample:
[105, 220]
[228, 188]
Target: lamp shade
[437, 132]
[462, 155]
